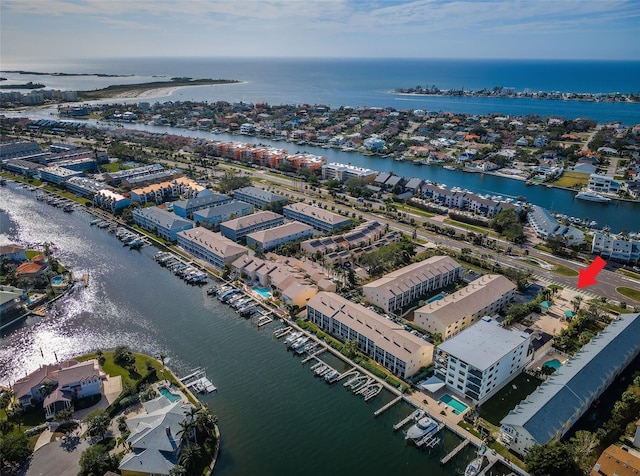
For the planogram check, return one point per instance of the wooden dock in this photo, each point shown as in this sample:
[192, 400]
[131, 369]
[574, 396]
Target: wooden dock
[313, 356]
[402, 423]
[351, 371]
[384, 408]
[454, 452]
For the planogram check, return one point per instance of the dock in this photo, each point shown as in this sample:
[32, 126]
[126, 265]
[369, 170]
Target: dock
[351, 371]
[384, 408]
[454, 452]
[264, 320]
[281, 332]
[314, 355]
[198, 380]
[406, 420]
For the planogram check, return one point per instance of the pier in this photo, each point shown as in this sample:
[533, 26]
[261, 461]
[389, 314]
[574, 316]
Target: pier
[384, 408]
[264, 320]
[314, 355]
[281, 332]
[198, 380]
[403, 422]
[454, 452]
[353, 371]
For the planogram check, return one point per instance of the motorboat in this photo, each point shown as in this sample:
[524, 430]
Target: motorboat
[425, 426]
[473, 468]
[592, 196]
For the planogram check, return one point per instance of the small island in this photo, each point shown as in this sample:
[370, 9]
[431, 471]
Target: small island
[121, 89]
[29, 85]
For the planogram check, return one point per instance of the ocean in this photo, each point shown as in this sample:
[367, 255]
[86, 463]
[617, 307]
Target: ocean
[369, 82]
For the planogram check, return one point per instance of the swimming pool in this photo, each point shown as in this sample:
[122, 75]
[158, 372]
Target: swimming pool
[264, 292]
[172, 397]
[435, 298]
[57, 280]
[457, 405]
[554, 363]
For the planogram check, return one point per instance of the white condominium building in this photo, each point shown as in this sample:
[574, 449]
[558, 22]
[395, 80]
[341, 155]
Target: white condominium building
[481, 359]
[401, 287]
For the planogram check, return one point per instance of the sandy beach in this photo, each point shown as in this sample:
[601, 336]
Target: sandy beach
[163, 92]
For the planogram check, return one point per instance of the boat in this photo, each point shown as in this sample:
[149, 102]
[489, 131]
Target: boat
[473, 468]
[448, 167]
[425, 426]
[95, 222]
[590, 195]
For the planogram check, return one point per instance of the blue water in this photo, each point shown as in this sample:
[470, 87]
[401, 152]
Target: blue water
[435, 298]
[453, 402]
[554, 363]
[172, 397]
[57, 281]
[368, 82]
[264, 292]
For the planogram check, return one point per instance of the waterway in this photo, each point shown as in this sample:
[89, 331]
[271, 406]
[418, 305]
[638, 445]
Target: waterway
[275, 417]
[617, 215]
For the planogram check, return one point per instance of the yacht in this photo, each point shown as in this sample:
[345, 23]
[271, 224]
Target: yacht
[425, 426]
[473, 468]
[590, 195]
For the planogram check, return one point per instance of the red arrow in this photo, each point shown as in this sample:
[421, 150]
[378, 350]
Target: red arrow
[587, 276]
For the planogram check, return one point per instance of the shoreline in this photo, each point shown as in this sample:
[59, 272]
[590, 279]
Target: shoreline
[514, 96]
[165, 91]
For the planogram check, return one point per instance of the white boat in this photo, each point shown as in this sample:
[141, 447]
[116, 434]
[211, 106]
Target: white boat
[473, 468]
[425, 426]
[592, 196]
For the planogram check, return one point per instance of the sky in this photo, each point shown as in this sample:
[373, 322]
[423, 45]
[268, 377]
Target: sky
[32, 30]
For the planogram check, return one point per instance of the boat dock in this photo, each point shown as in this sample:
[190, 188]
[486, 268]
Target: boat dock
[282, 331]
[403, 422]
[430, 441]
[314, 355]
[198, 380]
[454, 452]
[384, 408]
[264, 320]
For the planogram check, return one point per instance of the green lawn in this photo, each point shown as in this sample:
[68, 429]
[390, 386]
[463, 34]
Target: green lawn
[564, 271]
[497, 407]
[474, 228]
[629, 292]
[626, 272]
[110, 167]
[571, 179]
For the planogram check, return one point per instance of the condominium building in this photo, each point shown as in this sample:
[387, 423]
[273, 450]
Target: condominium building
[317, 217]
[238, 228]
[57, 175]
[159, 192]
[260, 198]
[161, 222]
[266, 240]
[361, 236]
[220, 213]
[83, 186]
[612, 247]
[382, 339]
[344, 172]
[483, 297]
[110, 200]
[210, 247]
[481, 359]
[550, 411]
[401, 287]
[205, 199]
[545, 225]
[116, 178]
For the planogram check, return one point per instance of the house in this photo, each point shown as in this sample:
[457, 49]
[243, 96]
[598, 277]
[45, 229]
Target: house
[58, 385]
[12, 253]
[616, 461]
[604, 184]
[298, 294]
[10, 298]
[155, 440]
[479, 361]
[32, 269]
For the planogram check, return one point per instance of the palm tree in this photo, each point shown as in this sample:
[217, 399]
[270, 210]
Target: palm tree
[186, 431]
[575, 302]
[189, 455]
[205, 421]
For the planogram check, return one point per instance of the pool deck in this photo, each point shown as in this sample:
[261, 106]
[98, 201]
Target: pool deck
[553, 354]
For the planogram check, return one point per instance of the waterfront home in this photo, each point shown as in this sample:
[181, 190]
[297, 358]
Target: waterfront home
[549, 412]
[265, 240]
[204, 199]
[603, 184]
[482, 359]
[399, 288]
[215, 215]
[260, 198]
[58, 385]
[110, 200]
[319, 218]
[32, 269]
[210, 247]
[12, 253]
[238, 228]
[155, 441]
[161, 222]
[24, 168]
[10, 298]
[253, 269]
[383, 340]
[451, 314]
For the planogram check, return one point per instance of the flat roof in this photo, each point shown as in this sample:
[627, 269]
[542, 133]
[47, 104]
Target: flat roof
[484, 343]
[317, 213]
[251, 220]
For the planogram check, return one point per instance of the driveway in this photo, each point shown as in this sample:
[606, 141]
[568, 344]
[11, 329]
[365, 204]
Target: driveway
[61, 457]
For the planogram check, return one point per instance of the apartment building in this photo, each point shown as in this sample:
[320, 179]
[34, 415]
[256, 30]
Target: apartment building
[210, 247]
[265, 240]
[320, 219]
[612, 247]
[161, 222]
[399, 288]
[238, 228]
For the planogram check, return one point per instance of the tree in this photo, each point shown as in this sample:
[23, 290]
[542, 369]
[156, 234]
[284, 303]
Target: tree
[583, 445]
[205, 421]
[189, 455]
[178, 470]
[575, 302]
[95, 461]
[551, 459]
[14, 449]
[556, 243]
[97, 423]
[123, 356]
[65, 414]
[350, 348]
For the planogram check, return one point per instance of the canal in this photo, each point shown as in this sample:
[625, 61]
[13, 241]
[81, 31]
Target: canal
[275, 417]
